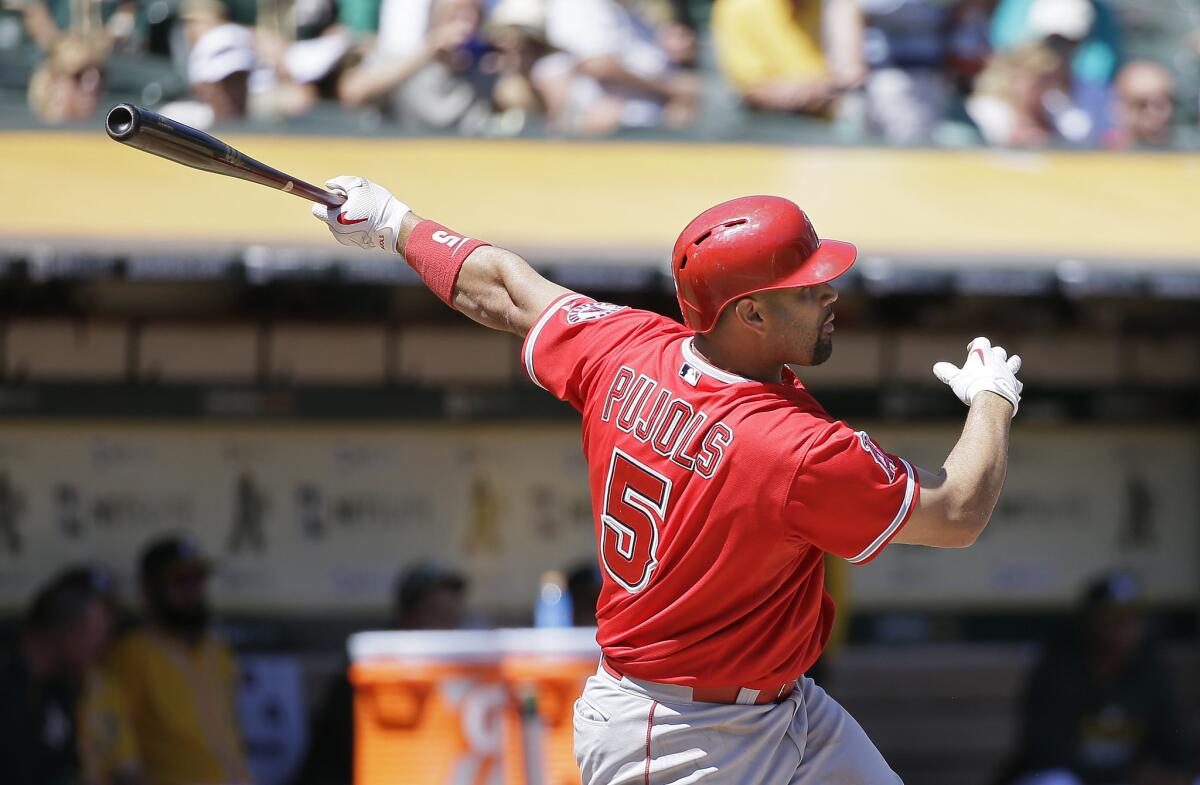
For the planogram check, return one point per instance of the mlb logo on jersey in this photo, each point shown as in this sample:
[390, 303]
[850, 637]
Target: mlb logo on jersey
[881, 458]
[590, 311]
[689, 374]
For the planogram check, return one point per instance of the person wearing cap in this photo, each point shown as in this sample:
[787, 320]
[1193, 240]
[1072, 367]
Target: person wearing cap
[178, 677]
[61, 639]
[1091, 23]
[1100, 708]
[221, 56]
[1084, 33]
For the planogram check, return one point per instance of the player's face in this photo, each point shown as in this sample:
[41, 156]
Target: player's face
[802, 323]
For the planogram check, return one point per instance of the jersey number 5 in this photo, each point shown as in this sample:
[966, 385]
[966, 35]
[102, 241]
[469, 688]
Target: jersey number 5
[635, 507]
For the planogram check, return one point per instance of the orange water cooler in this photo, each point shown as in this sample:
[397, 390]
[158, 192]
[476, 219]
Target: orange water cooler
[429, 708]
[473, 707]
[545, 670]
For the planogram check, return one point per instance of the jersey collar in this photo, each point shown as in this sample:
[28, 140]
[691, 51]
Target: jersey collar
[694, 359]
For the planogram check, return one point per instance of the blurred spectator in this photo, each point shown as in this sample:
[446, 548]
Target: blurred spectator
[62, 637]
[1022, 100]
[69, 82]
[614, 69]
[970, 44]
[428, 596]
[584, 582]
[441, 86]
[220, 58]
[1144, 107]
[516, 30]
[111, 23]
[1091, 22]
[403, 26]
[1083, 32]
[907, 48]
[107, 744]
[359, 17]
[669, 18]
[294, 75]
[771, 51]
[1100, 708]
[177, 677]
[107, 748]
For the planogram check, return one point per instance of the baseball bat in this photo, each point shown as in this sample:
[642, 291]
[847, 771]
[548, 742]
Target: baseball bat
[161, 136]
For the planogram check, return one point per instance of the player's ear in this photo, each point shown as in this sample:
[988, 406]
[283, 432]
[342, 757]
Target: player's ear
[749, 312]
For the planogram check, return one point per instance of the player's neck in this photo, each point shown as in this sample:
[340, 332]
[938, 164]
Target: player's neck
[729, 358]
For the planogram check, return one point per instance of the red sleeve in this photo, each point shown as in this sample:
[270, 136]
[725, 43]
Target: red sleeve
[568, 342]
[849, 497]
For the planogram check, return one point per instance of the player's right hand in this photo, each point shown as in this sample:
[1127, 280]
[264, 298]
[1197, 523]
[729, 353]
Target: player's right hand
[987, 369]
[370, 217]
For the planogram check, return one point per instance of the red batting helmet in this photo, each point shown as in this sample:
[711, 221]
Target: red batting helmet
[748, 245]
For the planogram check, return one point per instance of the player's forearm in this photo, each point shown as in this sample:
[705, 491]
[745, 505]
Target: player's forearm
[975, 469]
[495, 287]
[364, 84]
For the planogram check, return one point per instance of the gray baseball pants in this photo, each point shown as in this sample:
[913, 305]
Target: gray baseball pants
[632, 732]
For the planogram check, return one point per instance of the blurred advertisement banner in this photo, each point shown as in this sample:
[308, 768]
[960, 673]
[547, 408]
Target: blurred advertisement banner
[297, 518]
[310, 518]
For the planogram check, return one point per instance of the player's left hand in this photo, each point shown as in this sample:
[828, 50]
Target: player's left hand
[370, 218]
[987, 369]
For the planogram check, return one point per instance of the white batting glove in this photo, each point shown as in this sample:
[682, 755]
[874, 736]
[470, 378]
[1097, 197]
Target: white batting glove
[987, 369]
[370, 217]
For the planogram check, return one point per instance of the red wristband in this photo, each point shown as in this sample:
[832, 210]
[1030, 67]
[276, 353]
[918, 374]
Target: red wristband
[437, 254]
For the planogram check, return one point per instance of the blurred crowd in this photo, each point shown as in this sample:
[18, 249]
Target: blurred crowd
[157, 704]
[1009, 73]
[90, 697]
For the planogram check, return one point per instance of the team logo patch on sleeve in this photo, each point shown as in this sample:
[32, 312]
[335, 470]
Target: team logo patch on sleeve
[881, 458]
[590, 311]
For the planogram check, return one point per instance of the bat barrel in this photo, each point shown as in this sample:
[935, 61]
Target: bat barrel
[122, 122]
[152, 133]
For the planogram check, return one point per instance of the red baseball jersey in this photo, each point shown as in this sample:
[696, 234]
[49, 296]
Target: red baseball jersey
[714, 498]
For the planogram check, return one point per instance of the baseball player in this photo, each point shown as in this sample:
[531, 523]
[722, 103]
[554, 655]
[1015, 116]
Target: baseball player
[717, 483]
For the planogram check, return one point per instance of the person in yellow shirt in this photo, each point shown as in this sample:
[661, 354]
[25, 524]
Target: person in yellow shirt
[177, 679]
[773, 52]
[107, 748]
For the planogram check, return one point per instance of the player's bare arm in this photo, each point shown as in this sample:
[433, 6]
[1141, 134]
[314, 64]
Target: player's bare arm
[956, 502]
[496, 287]
[492, 286]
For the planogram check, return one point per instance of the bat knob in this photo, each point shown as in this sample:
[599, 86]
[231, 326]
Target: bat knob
[121, 122]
